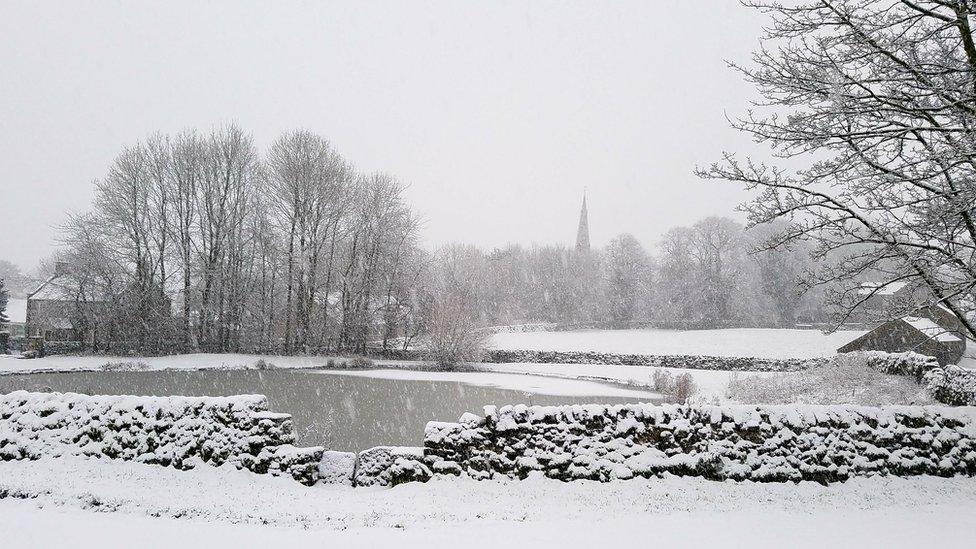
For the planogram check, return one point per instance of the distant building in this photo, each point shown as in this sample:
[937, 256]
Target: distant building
[583, 231]
[54, 313]
[932, 331]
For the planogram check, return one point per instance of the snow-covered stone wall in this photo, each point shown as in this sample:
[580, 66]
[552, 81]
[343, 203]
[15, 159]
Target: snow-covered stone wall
[760, 443]
[903, 364]
[952, 385]
[695, 362]
[170, 431]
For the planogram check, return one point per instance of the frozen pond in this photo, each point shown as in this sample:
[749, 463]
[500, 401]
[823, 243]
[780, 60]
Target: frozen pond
[338, 411]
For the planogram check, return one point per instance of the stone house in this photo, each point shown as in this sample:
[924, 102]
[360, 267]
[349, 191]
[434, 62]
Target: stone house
[932, 331]
[56, 318]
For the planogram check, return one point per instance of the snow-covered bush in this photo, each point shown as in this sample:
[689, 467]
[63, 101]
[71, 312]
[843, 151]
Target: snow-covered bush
[759, 443]
[952, 385]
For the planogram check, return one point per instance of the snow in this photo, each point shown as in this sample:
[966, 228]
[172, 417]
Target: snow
[890, 288]
[171, 430]
[712, 384]
[930, 328]
[744, 342]
[89, 503]
[540, 384]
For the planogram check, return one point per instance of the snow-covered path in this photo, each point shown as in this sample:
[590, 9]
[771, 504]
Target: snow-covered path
[150, 506]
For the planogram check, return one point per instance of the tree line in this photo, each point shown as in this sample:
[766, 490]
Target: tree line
[702, 276]
[199, 242]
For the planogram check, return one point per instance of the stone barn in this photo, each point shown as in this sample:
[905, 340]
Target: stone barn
[935, 332]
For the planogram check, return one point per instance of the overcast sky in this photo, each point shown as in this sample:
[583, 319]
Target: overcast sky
[497, 114]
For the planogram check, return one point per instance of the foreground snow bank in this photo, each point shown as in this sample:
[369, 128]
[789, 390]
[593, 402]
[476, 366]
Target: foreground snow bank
[221, 507]
[761, 443]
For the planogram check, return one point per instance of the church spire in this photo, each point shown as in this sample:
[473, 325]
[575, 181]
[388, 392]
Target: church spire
[583, 233]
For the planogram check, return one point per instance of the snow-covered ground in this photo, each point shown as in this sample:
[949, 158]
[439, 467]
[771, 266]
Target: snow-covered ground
[551, 379]
[745, 342]
[546, 383]
[712, 384]
[99, 503]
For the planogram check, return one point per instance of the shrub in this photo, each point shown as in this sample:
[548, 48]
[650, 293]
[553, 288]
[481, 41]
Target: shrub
[126, 366]
[359, 362]
[846, 380]
[679, 388]
[455, 338]
[261, 364]
[663, 381]
[684, 388]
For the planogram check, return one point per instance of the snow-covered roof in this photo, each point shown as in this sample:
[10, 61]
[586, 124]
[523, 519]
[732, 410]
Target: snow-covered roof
[51, 289]
[881, 289]
[929, 327]
[17, 311]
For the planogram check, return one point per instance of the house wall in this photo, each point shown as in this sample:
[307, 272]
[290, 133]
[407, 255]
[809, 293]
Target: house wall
[898, 336]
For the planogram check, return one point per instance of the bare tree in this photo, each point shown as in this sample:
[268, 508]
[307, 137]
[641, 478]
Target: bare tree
[188, 153]
[455, 326]
[883, 93]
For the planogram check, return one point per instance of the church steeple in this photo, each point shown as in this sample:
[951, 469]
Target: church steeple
[583, 233]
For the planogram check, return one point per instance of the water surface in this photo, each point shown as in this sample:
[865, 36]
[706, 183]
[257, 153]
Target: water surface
[340, 412]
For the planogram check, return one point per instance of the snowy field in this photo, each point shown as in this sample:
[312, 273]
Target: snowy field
[712, 384]
[743, 342]
[545, 383]
[98, 503]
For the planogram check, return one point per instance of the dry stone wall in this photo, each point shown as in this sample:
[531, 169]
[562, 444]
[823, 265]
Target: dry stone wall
[694, 362]
[759, 443]
[170, 431]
